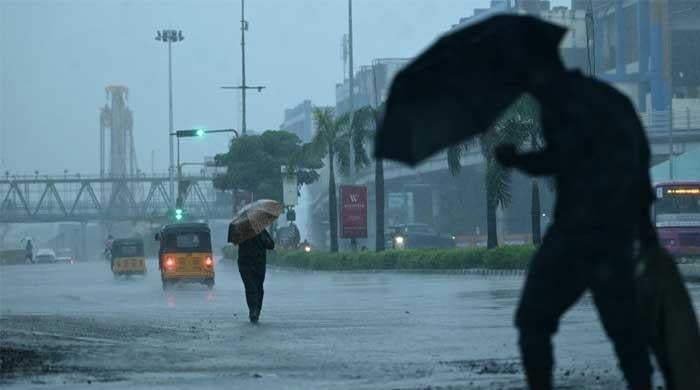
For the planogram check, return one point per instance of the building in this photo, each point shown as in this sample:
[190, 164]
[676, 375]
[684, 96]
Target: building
[456, 205]
[299, 120]
[372, 83]
[496, 6]
[650, 50]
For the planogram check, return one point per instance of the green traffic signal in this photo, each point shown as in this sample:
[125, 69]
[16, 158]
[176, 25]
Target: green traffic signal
[178, 214]
[190, 133]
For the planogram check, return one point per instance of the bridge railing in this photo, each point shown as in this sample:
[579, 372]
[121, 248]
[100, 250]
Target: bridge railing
[61, 198]
[687, 119]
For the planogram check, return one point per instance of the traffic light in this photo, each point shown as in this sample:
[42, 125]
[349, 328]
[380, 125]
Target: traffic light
[178, 214]
[191, 133]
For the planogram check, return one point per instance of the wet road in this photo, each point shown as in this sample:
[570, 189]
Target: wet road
[75, 327]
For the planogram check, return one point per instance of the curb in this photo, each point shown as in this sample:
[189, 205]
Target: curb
[466, 271]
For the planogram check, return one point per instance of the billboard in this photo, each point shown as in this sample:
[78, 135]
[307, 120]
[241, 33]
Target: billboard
[353, 211]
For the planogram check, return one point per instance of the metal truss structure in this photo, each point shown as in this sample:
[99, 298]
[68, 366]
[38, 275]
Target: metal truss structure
[75, 199]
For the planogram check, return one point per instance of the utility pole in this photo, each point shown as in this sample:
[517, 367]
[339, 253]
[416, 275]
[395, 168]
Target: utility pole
[352, 91]
[243, 28]
[170, 36]
[243, 87]
[353, 241]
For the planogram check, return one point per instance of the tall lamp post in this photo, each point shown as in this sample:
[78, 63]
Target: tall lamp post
[170, 37]
[243, 87]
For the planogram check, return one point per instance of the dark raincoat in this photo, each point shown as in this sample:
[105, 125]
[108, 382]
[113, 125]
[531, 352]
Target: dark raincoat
[252, 264]
[598, 154]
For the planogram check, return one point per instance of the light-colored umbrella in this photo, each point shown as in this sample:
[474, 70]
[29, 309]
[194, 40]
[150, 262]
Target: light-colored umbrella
[667, 311]
[253, 219]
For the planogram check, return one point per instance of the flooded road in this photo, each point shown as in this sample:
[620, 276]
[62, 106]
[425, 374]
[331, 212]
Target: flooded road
[73, 326]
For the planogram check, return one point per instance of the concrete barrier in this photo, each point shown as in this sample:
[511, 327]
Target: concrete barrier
[690, 272]
[12, 256]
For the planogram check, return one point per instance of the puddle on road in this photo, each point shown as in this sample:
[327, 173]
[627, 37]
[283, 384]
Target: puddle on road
[488, 366]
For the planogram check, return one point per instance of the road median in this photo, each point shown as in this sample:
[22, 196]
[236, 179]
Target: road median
[501, 258]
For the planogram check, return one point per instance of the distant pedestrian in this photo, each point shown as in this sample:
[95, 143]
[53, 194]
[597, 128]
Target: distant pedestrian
[252, 264]
[29, 252]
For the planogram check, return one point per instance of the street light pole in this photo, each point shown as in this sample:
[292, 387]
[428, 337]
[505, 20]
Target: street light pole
[170, 112]
[170, 36]
[244, 87]
[178, 202]
[243, 91]
[353, 241]
[352, 90]
[352, 75]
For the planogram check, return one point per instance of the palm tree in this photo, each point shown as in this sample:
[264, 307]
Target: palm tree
[332, 140]
[513, 127]
[364, 126]
[527, 109]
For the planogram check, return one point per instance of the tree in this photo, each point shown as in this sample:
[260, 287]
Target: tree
[331, 135]
[513, 127]
[334, 138]
[527, 111]
[254, 163]
[364, 126]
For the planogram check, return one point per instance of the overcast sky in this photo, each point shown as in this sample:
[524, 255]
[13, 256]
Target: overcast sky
[56, 57]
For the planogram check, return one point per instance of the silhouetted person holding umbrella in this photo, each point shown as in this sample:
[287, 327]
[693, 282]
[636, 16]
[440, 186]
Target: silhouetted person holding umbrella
[252, 263]
[598, 154]
[599, 157]
[247, 230]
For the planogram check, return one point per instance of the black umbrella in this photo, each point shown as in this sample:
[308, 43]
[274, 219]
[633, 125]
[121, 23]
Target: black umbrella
[460, 85]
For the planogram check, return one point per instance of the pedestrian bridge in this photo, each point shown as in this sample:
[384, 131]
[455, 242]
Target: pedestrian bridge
[76, 198]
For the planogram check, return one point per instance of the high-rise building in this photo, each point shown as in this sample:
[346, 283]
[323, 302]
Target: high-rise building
[299, 120]
[649, 49]
[372, 83]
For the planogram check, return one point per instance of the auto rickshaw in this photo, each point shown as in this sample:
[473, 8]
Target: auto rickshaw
[185, 254]
[127, 257]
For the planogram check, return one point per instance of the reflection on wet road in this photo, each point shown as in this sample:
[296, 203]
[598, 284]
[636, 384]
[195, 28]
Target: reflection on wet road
[74, 326]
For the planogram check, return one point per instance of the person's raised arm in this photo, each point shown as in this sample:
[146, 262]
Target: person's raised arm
[537, 163]
[267, 241]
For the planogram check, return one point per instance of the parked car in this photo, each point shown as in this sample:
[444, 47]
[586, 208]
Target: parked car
[417, 235]
[65, 255]
[45, 256]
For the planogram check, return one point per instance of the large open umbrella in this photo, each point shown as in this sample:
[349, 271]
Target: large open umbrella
[252, 219]
[461, 84]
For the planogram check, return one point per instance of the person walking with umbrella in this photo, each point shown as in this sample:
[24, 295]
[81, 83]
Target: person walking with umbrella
[252, 264]
[247, 230]
[596, 151]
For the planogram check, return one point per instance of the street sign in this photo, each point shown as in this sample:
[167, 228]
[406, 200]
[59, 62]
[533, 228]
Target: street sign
[290, 188]
[241, 198]
[353, 211]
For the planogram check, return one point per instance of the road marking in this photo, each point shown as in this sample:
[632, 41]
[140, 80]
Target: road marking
[77, 338]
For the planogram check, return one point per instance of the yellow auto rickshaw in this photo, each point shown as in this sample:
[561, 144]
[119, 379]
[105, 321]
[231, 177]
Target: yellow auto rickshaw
[185, 254]
[127, 257]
